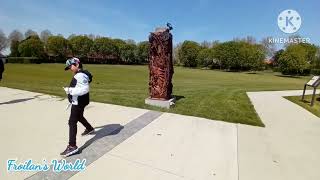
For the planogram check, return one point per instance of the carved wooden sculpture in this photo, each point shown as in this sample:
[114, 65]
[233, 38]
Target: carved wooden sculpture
[160, 64]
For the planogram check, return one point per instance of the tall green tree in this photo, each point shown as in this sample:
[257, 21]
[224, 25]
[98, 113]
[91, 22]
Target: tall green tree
[227, 55]
[3, 41]
[81, 46]
[142, 52]
[14, 49]
[57, 46]
[311, 50]
[32, 47]
[44, 35]
[205, 57]
[277, 56]
[29, 33]
[128, 53]
[239, 55]
[15, 38]
[188, 53]
[120, 44]
[293, 61]
[105, 47]
[175, 53]
[253, 56]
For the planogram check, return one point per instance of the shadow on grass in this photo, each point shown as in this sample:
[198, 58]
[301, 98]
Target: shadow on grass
[178, 97]
[288, 76]
[106, 130]
[305, 101]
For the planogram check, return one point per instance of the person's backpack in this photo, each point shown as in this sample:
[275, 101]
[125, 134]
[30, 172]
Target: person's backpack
[89, 75]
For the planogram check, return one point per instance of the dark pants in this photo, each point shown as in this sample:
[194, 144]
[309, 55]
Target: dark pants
[1, 73]
[75, 116]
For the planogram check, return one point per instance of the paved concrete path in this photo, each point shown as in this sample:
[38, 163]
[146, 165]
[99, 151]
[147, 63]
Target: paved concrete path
[133, 143]
[287, 148]
[130, 143]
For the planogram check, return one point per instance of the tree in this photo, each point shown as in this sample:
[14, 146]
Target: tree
[311, 51]
[176, 49]
[268, 47]
[252, 56]
[205, 57]
[44, 35]
[316, 63]
[215, 43]
[14, 49]
[206, 44]
[14, 38]
[71, 36]
[128, 53]
[239, 55]
[120, 44]
[130, 41]
[292, 39]
[32, 47]
[57, 46]
[105, 47]
[3, 41]
[188, 53]
[293, 61]
[142, 52]
[228, 55]
[16, 35]
[276, 57]
[250, 40]
[29, 33]
[81, 46]
[91, 36]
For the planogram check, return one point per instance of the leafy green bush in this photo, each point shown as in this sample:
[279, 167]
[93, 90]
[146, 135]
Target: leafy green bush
[315, 71]
[205, 57]
[239, 56]
[31, 47]
[293, 61]
[188, 53]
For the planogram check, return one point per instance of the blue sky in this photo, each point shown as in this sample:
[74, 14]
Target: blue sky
[196, 20]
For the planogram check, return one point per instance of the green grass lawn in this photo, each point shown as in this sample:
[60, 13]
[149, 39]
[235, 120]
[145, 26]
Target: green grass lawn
[315, 109]
[204, 93]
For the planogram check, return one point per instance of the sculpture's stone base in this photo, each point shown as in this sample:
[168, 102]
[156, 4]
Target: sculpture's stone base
[160, 103]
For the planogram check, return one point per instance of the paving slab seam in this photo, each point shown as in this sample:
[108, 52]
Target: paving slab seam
[101, 144]
[148, 166]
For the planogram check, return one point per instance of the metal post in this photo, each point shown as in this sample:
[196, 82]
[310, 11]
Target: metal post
[304, 91]
[313, 95]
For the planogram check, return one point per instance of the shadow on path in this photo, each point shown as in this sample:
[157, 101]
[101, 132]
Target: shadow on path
[17, 101]
[106, 130]
[20, 100]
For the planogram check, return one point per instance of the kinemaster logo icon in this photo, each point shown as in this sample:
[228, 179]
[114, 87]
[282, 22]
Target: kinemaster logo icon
[289, 21]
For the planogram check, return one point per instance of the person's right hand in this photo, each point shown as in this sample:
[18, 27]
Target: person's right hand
[66, 89]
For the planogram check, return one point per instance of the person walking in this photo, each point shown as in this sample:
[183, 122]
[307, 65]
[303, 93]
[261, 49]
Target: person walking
[78, 96]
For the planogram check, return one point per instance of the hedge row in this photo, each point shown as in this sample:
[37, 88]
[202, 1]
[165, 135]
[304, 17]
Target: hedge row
[24, 60]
